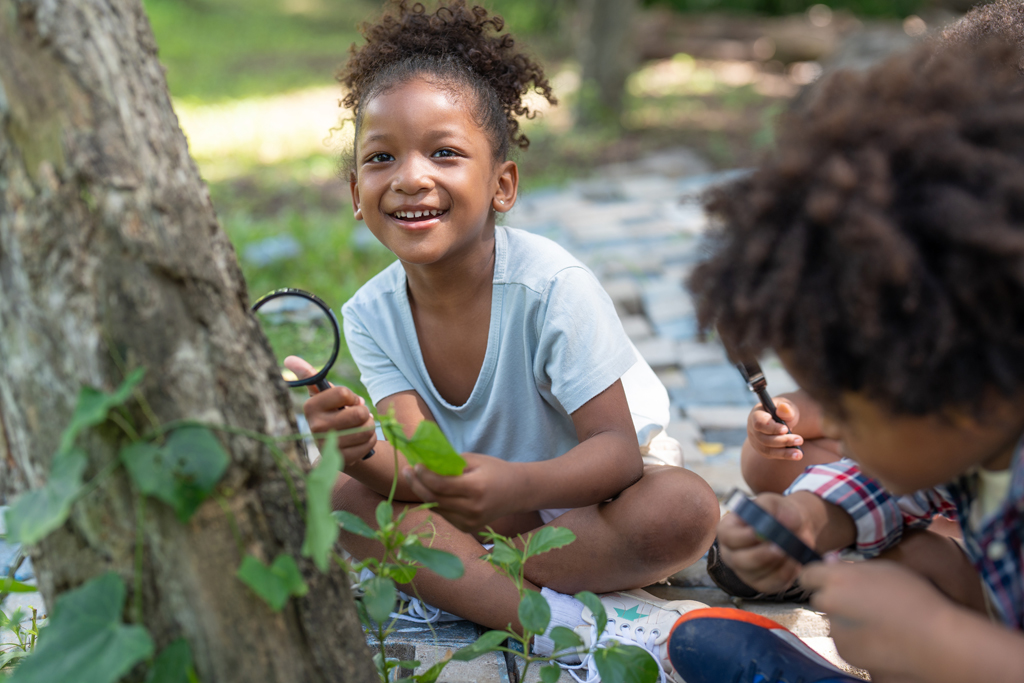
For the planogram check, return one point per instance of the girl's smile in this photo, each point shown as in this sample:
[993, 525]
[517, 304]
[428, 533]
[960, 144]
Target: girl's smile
[426, 181]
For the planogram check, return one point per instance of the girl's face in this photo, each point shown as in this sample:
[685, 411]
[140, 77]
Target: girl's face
[426, 182]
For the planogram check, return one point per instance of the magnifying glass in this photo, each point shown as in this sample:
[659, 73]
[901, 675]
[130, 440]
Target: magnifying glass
[298, 323]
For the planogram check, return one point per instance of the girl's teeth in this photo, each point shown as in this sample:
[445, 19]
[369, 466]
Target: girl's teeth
[417, 214]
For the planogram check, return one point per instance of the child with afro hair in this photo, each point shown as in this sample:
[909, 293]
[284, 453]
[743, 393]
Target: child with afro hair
[774, 455]
[880, 252]
[503, 339]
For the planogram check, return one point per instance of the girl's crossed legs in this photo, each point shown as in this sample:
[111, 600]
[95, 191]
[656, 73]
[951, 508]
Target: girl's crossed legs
[654, 528]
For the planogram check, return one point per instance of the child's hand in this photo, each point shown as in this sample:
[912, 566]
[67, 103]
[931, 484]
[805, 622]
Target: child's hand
[484, 491]
[880, 614]
[771, 439]
[337, 409]
[761, 564]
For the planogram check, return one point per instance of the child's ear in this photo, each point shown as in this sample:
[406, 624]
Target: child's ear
[355, 195]
[508, 187]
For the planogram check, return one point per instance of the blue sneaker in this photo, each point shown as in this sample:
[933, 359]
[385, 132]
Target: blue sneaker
[723, 645]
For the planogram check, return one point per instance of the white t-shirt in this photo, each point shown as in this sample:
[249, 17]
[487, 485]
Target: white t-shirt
[554, 343]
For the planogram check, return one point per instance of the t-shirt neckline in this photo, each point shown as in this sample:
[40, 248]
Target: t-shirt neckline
[493, 332]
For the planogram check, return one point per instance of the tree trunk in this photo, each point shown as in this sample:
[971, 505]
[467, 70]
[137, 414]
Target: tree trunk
[606, 59]
[110, 252]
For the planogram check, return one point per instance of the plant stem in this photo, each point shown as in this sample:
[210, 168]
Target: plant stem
[140, 539]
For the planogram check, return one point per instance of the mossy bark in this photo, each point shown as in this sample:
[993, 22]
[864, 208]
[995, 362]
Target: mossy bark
[111, 256]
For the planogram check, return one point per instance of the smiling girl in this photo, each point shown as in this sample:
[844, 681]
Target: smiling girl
[502, 338]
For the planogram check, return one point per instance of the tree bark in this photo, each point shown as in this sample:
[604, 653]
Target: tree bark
[606, 59]
[110, 253]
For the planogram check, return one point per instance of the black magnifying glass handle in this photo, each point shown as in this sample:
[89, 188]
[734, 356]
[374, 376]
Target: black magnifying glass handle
[769, 528]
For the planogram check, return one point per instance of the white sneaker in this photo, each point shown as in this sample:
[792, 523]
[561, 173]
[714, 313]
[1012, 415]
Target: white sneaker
[411, 609]
[634, 618]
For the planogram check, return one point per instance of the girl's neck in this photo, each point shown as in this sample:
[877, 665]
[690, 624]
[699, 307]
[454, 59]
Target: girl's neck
[454, 284]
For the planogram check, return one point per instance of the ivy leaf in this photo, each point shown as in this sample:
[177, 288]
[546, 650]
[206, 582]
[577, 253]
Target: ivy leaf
[443, 564]
[93, 406]
[274, 584]
[549, 538]
[182, 472]
[384, 514]
[353, 524]
[86, 641]
[534, 613]
[550, 674]
[504, 555]
[594, 604]
[321, 528]
[626, 664]
[399, 572]
[565, 639]
[430, 447]
[34, 514]
[11, 586]
[488, 642]
[172, 664]
[431, 675]
[379, 596]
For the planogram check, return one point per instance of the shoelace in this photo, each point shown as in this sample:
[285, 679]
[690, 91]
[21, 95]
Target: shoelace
[623, 633]
[416, 610]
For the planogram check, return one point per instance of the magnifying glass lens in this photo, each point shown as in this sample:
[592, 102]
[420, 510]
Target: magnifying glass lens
[295, 326]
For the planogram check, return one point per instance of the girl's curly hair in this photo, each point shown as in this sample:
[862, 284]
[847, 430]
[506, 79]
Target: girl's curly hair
[458, 46]
[881, 246]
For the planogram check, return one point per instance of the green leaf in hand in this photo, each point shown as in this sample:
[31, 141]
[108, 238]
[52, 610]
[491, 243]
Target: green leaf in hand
[321, 528]
[274, 584]
[443, 564]
[93, 406]
[429, 447]
[353, 524]
[182, 473]
[484, 644]
[626, 664]
[36, 513]
[593, 603]
[172, 664]
[534, 612]
[86, 641]
[379, 596]
[549, 538]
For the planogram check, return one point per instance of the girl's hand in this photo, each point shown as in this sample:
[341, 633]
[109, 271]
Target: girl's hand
[771, 439]
[337, 409]
[484, 492]
[760, 564]
[881, 616]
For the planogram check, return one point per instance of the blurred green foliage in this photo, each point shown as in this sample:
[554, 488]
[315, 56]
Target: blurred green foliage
[865, 8]
[225, 49]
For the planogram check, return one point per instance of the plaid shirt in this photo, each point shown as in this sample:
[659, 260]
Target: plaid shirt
[995, 548]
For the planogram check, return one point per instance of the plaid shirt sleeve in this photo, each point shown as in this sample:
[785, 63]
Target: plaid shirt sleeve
[880, 517]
